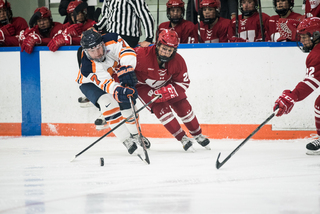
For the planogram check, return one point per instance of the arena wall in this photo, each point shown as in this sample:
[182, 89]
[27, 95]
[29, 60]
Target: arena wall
[233, 89]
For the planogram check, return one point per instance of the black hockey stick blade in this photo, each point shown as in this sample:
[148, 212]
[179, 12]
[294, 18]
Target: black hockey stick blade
[122, 122]
[147, 160]
[220, 164]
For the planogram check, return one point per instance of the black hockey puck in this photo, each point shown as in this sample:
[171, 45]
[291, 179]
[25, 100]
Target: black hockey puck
[101, 162]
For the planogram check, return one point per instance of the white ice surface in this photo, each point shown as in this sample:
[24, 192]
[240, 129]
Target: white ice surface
[36, 176]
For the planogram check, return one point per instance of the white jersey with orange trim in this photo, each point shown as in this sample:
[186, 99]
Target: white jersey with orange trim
[118, 53]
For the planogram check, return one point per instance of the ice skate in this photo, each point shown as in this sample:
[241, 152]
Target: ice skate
[203, 141]
[101, 123]
[130, 144]
[84, 102]
[313, 148]
[145, 140]
[187, 144]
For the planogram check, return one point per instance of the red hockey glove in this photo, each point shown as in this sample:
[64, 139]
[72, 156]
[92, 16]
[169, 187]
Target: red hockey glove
[23, 34]
[287, 29]
[126, 76]
[8, 30]
[59, 40]
[74, 30]
[285, 103]
[237, 39]
[168, 92]
[29, 42]
[122, 94]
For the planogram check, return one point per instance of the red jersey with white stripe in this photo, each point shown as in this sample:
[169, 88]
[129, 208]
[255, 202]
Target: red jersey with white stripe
[218, 33]
[185, 30]
[149, 73]
[118, 53]
[249, 29]
[273, 33]
[312, 79]
[19, 24]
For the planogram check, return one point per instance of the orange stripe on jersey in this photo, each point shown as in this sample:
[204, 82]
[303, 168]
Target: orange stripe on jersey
[110, 42]
[108, 86]
[79, 77]
[112, 111]
[94, 67]
[113, 68]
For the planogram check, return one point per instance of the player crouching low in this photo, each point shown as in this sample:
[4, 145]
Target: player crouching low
[160, 70]
[102, 56]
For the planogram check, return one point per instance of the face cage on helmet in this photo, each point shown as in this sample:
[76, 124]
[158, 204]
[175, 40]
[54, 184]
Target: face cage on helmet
[314, 40]
[175, 21]
[95, 47]
[250, 12]
[8, 12]
[210, 20]
[164, 58]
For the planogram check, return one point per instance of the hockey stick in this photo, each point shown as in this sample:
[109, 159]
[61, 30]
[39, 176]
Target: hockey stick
[219, 164]
[151, 101]
[139, 134]
[237, 19]
[261, 21]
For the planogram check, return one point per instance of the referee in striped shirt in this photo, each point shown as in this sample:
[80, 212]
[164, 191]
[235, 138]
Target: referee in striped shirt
[125, 17]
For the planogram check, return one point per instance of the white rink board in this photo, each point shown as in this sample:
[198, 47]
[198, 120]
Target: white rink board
[10, 90]
[228, 86]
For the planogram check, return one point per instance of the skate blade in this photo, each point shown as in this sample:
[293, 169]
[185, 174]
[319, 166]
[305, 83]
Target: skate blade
[207, 147]
[310, 152]
[86, 105]
[102, 127]
[191, 149]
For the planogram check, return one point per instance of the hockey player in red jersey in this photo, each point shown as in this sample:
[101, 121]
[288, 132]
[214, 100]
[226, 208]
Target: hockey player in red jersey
[42, 30]
[312, 8]
[77, 23]
[160, 70]
[185, 29]
[249, 29]
[283, 27]
[103, 58]
[213, 28]
[10, 27]
[309, 31]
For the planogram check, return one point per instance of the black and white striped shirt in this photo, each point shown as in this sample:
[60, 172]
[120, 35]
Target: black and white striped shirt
[125, 17]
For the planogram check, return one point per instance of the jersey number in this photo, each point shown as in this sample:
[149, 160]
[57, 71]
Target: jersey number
[310, 71]
[94, 78]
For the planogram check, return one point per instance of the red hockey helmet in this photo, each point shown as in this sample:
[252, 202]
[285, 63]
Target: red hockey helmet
[309, 26]
[45, 12]
[72, 5]
[4, 5]
[169, 38]
[175, 3]
[210, 3]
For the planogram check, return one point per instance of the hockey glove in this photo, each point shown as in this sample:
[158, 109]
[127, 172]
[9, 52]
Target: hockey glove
[122, 94]
[285, 103]
[30, 41]
[126, 76]
[168, 92]
[8, 30]
[287, 29]
[74, 30]
[59, 40]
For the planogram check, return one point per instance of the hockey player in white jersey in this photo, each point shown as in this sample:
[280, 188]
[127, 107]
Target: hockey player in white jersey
[105, 60]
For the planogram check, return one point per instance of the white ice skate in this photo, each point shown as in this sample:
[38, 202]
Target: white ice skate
[203, 141]
[313, 148]
[187, 144]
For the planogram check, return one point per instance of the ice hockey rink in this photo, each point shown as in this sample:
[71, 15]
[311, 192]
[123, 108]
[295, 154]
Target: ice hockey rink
[264, 176]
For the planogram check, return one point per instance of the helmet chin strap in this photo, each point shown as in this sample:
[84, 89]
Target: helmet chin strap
[209, 20]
